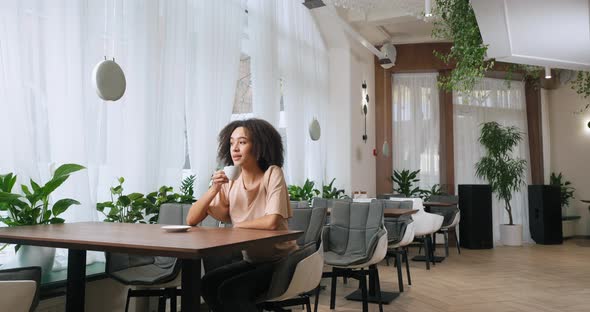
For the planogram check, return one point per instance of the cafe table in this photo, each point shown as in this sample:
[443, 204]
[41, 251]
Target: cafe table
[145, 239]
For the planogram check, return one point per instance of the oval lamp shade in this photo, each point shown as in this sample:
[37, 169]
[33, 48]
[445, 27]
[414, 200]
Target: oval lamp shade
[315, 130]
[109, 80]
[385, 149]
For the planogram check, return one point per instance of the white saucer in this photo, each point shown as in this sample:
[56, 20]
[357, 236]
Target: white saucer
[176, 228]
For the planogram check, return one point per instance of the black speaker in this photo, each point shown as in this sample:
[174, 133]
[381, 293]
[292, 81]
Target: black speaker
[475, 228]
[545, 214]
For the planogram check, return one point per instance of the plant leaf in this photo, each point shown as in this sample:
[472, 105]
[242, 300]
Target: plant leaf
[62, 205]
[66, 170]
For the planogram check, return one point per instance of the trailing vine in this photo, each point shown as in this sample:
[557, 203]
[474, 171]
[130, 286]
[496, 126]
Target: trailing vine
[457, 23]
[582, 87]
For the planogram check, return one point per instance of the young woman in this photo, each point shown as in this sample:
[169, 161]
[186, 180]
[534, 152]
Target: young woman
[257, 199]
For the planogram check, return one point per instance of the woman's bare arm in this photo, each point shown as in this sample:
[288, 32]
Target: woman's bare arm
[201, 207]
[269, 222]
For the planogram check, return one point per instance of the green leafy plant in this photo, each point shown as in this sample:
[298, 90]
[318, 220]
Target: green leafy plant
[136, 208]
[434, 190]
[130, 208]
[566, 190]
[457, 23]
[504, 173]
[34, 207]
[330, 192]
[187, 190]
[405, 180]
[305, 192]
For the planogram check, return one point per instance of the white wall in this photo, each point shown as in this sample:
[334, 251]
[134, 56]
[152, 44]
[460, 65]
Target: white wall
[570, 148]
[349, 159]
[363, 163]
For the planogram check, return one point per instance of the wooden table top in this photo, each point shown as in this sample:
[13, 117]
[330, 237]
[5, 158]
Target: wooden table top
[394, 212]
[148, 239]
[441, 204]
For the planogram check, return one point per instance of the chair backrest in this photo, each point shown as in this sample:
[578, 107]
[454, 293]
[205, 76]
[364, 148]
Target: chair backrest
[450, 213]
[310, 221]
[417, 201]
[175, 214]
[406, 204]
[295, 204]
[306, 276]
[354, 227]
[396, 228]
[19, 288]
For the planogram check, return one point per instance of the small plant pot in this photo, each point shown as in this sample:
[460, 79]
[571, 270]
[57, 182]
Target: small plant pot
[36, 256]
[511, 235]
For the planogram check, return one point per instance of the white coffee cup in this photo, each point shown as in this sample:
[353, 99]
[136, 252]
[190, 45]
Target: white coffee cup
[232, 172]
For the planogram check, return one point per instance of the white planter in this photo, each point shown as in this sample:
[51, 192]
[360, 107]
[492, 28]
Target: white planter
[511, 235]
[36, 256]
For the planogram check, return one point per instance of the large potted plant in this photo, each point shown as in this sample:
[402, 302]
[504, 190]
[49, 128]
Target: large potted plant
[503, 171]
[32, 208]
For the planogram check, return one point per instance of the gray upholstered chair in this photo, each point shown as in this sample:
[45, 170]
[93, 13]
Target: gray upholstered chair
[19, 289]
[153, 276]
[452, 216]
[295, 204]
[354, 240]
[298, 276]
[400, 233]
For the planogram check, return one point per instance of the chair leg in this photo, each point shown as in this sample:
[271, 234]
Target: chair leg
[431, 241]
[426, 252]
[308, 304]
[333, 291]
[173, 300]
[457, 241]
[127, 301]
[387, 260]
[162, 304]
[407, 265]
[446, 234]
[399, 272]
[378, 285]
[317, 299]
[363, 284]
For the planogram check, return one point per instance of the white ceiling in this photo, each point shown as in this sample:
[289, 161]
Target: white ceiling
[398, 25]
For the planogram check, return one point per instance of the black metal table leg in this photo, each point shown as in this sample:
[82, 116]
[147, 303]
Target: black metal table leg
[76, 283]
[191, 285]
[386, 296]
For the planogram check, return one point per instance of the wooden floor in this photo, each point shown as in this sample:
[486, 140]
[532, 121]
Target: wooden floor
[504, 279]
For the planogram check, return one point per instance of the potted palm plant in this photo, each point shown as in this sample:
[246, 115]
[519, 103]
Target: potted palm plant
[32, 208]
[503, 171]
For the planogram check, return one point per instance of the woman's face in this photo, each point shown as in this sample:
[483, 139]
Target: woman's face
[241, 148]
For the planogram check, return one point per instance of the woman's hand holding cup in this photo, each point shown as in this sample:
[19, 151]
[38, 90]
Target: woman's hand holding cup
[219, 178]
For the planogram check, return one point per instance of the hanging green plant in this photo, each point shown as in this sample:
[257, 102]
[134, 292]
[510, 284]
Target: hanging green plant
[582, 87]
[457, 23]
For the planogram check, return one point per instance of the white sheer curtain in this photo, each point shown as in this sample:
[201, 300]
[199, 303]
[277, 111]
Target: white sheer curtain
[416, 126]
[303, 64]
[53, 115]
[263, 42]
[491, 100]
[215, 31]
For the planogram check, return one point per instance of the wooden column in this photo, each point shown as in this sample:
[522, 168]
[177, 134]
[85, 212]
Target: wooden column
[383, 129]
[535, 130]
[447, 151]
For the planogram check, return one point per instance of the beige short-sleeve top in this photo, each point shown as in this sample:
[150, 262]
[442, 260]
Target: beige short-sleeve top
[270, 196]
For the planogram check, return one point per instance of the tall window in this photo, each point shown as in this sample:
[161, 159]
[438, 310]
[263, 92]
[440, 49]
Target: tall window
[416, 126]
[491, 100]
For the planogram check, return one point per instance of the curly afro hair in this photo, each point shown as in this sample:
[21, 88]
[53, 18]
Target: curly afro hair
[267, 145]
